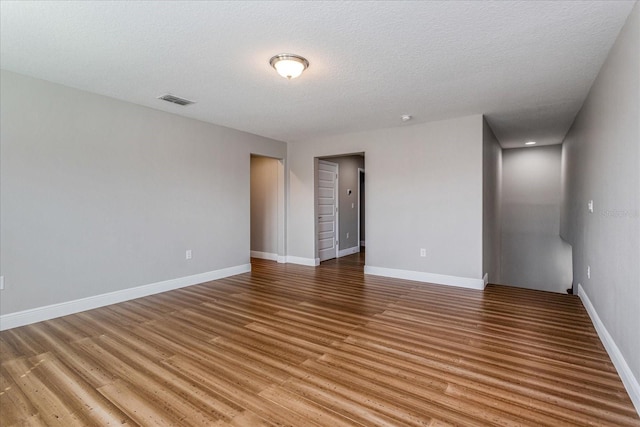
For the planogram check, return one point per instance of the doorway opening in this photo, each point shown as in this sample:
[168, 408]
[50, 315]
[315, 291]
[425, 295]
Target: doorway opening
[267, 206]
[339, 205]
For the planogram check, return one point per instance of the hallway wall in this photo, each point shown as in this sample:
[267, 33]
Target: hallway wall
[533, 254]
[602, 161]
[491, 204]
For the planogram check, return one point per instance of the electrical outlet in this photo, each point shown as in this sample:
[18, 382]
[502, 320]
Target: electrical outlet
[1, 283]
[590, 206]
[188, 254]
[588, 272]
[347, 234]
[423, 252]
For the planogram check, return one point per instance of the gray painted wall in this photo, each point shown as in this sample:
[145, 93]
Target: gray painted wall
[348, 216]
[602, 161]
[424, 190]
[491, 209]
[99, 195]
[533, 254]
[264, 204]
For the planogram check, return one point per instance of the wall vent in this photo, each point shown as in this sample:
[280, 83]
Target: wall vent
[176, 99]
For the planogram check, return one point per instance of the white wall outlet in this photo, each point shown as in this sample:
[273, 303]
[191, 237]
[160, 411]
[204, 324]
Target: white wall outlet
[590, 206]
[188, 254]
[1, 283]
[588, 272]
[353, 205]
[423, 252]
[347, 234]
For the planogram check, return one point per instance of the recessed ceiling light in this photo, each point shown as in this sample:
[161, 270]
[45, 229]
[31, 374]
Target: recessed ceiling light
[406, 118]
[289, 65]
[530, 143]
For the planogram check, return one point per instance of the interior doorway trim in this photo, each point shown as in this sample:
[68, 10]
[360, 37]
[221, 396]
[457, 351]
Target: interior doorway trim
[360, 171]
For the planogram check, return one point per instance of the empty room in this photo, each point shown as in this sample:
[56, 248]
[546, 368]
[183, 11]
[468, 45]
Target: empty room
[320, 213]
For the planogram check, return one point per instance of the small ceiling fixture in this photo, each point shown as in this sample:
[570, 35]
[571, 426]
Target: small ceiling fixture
[530, 143]
[289, 65]
[406, 118]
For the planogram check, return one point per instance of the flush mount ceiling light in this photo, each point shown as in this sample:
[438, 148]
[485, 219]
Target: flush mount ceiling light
[289, 65]
[530, 143]
[406, 117]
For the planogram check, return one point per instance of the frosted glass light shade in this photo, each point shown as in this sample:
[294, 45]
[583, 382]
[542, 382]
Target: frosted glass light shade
[288, 65]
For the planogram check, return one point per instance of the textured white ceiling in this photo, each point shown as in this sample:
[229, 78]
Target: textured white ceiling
[527, 65]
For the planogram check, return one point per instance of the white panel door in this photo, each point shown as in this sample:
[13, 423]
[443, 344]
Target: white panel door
[327, 210]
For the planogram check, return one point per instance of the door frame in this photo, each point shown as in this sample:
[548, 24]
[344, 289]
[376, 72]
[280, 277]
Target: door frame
[336, 188]
[360, 171]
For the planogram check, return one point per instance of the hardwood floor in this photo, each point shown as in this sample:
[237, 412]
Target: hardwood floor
[296, 346]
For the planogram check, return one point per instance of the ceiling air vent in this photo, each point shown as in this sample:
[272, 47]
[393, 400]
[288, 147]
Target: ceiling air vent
[176, 99]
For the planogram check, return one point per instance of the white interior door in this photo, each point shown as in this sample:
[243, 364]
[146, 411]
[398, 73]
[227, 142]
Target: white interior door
[327, 210]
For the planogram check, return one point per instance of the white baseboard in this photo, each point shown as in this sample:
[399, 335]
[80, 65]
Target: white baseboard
[303, 261]
[419, 276]
[26, 317]
[361, 242]
[485, 279]
[630, 382]
[264, 255]
[348, 251]
[282, 259]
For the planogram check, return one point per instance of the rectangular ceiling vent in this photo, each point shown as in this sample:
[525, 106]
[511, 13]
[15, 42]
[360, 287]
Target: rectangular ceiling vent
[176, 99]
